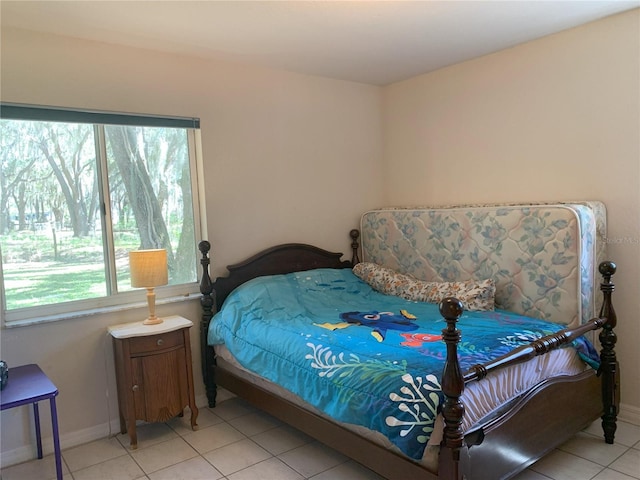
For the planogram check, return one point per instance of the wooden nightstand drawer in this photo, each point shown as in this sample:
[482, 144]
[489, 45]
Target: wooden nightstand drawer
[156, 343]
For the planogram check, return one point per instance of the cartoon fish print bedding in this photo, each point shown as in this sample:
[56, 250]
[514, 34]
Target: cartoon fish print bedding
[360, 356]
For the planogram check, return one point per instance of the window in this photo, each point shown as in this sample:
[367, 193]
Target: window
[78, 191]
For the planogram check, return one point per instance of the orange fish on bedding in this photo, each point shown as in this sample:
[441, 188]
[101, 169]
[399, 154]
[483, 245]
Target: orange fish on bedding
[417, 339]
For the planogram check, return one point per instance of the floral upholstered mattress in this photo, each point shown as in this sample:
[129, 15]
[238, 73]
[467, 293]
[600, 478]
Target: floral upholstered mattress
[543, 258]
[361, 356]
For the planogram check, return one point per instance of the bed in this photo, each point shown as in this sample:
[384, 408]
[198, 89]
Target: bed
[507, 264]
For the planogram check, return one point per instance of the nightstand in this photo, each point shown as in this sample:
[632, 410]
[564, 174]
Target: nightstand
[153, 372]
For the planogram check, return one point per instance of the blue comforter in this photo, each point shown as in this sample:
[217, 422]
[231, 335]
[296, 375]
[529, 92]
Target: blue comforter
[360, 356]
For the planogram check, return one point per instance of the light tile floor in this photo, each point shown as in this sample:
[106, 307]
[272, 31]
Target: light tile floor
[236, 442]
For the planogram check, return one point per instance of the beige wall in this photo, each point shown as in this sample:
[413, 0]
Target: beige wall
[287, 157]
[554, 119]
[292, 157]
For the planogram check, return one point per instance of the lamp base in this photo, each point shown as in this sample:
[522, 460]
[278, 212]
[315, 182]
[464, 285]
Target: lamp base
[152, 321]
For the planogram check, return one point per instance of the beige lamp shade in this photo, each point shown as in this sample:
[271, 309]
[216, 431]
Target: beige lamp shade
[148, 268]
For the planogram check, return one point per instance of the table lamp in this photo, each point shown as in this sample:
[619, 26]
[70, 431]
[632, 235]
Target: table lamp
[149, 270]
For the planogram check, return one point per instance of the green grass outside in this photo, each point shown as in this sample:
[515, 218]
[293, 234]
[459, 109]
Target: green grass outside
[34, 275]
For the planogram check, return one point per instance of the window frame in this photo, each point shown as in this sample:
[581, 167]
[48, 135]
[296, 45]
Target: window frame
[113, 300]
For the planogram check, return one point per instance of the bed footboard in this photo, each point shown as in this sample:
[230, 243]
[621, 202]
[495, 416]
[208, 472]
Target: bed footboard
[453, 381]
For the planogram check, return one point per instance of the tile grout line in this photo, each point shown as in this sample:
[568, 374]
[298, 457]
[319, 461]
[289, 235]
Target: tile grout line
[177, 427]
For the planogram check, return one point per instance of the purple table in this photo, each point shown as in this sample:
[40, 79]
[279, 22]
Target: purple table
[28, 384]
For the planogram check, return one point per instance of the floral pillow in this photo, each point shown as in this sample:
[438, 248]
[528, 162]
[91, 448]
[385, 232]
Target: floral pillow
[474, 295]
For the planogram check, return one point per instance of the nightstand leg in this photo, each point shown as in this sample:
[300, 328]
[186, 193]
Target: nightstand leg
[133, 436]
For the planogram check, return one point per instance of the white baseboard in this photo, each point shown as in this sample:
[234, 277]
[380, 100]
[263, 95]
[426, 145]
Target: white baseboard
[221, 395]
[71, 439]
[201, 401]
[627, 414]
[67, 440]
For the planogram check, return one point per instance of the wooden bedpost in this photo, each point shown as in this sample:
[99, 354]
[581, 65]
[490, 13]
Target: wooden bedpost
[207, 301]
[355, 235]
[452, 386]
[609, 368]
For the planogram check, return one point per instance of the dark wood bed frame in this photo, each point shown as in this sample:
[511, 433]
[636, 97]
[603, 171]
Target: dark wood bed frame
[522, 432]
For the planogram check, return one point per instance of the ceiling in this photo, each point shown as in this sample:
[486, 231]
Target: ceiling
[375, 42]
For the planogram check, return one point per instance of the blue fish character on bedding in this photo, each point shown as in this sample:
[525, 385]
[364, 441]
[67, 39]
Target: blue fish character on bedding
[380, 322]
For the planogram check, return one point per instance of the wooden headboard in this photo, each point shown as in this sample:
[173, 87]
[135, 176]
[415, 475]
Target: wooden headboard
[280, 259]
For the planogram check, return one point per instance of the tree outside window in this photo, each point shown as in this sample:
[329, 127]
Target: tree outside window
[76, 197]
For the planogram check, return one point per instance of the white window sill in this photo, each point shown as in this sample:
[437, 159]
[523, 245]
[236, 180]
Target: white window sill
[97, 311]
